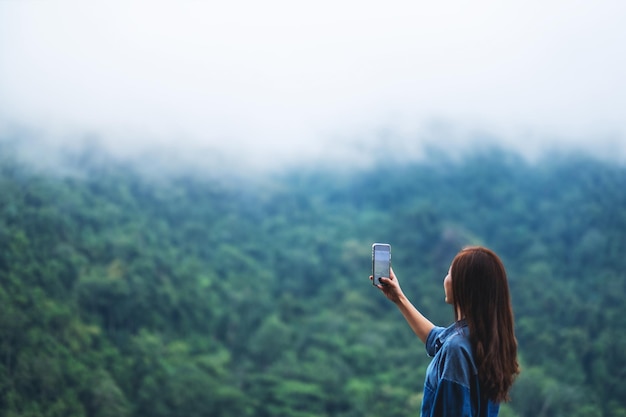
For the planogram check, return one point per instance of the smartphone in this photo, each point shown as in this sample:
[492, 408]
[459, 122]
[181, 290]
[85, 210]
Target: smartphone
[381, 262]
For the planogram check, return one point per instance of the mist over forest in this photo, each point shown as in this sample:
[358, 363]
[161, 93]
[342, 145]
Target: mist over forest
[189, 192]
[129, 291]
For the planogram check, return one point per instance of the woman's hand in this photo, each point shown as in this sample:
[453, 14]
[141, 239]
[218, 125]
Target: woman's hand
[390, 287]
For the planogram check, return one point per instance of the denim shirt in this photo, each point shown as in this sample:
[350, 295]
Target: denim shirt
[451, 388]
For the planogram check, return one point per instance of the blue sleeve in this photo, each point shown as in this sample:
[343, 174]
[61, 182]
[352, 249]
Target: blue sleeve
[451, 400]
[432, 341]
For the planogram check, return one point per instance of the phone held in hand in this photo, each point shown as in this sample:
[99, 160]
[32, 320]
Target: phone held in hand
[381, 262]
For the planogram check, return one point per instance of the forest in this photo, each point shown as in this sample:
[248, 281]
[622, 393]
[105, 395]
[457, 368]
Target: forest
[127, 294]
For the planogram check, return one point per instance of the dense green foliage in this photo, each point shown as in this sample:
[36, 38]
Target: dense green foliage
[127, 295]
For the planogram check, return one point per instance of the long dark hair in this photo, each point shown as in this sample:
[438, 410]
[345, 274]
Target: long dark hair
[480, 293]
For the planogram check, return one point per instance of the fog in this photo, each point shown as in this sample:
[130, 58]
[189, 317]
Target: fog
[278, 83]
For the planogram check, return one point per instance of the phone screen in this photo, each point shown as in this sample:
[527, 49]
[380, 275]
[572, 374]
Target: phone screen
[381, 261]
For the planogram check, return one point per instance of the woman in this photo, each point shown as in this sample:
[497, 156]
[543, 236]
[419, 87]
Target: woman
[475, 359]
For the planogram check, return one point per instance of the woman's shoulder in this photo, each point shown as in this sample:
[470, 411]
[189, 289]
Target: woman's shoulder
[455, 334]
[457, 360]
[458, 343]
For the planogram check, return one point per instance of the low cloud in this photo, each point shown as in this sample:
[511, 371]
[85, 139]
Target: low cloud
[278, 84]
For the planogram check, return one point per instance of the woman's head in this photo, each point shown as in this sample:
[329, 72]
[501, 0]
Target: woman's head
[480, 294]
[479, 284]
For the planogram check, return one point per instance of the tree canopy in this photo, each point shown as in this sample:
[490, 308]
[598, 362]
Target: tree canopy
[125, 294]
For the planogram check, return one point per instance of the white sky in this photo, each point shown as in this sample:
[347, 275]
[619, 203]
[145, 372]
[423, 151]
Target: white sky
[280, 79]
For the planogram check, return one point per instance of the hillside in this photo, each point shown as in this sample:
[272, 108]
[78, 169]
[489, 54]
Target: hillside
[124, 294]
